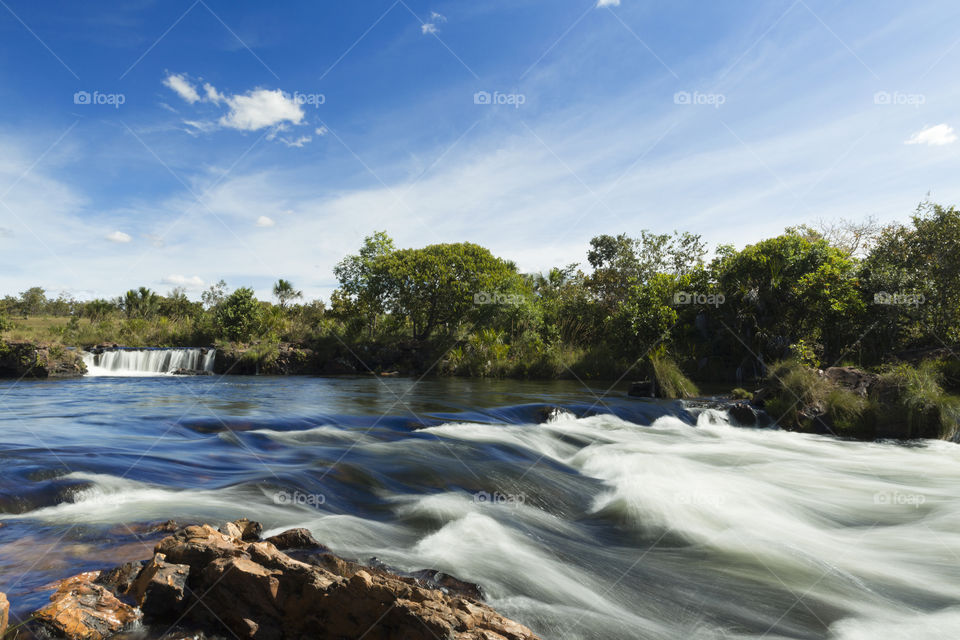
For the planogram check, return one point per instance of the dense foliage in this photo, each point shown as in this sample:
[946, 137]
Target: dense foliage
[841, 293]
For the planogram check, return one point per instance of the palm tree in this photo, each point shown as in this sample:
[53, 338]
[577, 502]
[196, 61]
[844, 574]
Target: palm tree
[284, 292]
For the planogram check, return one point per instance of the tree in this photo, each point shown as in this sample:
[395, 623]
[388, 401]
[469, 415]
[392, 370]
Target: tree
[361, 292]
[214, 295]
[140, 303]
[32, 301]
[239, 315]
[284, 292]
[440, 285]
[176, 305]
[97, 310]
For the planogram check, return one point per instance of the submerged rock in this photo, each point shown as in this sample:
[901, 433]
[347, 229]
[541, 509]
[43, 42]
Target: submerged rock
[81, 609]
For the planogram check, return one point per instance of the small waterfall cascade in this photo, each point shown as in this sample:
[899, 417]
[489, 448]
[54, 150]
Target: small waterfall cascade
[123, 362]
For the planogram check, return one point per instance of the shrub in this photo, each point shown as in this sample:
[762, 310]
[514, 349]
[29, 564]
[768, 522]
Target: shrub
[741, 394]
[239, 316]
[918, 405]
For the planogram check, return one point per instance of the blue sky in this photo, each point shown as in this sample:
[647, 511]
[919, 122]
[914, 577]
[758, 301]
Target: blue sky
[180, 142]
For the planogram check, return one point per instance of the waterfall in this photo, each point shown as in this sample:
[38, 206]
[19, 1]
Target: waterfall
[147, 362]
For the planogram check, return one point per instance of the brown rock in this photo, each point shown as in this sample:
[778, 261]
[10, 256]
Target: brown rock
[83, 610]
[257, 591]
[4, 614]
[161, 587]
[295, 539]
[120, 579]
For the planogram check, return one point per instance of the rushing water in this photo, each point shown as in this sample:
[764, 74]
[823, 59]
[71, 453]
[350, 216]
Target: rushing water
[617, 519]
[134, 363]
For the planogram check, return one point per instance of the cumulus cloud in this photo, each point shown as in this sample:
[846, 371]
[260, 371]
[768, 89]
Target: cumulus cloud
[254, 110]
[261, 108]
[608, 3]
[178, 280]
[264, 221]
[321, 131]
[118, 236]
[428, 28]
[935, 136]
[182, 87]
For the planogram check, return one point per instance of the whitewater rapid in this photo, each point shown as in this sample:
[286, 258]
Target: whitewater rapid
[585, 527]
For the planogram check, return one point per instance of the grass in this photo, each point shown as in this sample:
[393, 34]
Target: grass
[798, 387]
[919, 401]
[670, 379]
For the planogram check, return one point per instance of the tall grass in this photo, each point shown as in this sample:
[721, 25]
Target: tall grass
[918, 400]
[671, 381]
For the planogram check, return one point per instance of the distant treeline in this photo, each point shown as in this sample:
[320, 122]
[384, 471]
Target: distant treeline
[840, 292]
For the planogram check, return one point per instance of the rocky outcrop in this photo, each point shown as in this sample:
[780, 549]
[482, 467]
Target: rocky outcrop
[31, 360]
[81, 609]
[276, 359]
[4, 614]
[229, 582]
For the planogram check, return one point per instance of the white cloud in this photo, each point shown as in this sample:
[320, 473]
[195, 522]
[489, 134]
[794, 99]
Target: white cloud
[935, 136]
[298, 143]
[178, 280]
[428, 28]
[211, 94]
[261, 108]
[118, 237]
[183, 87]
[321, 131]
[436, 17]
[264, 221]
[608, 3]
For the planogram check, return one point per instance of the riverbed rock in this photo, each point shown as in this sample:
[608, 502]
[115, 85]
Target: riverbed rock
[295, 539]
[858, 381]
[743, 414]
[80, 609]
[4, 614]
[261, 593]
[160, 588]
[643, 389]
[21, 359]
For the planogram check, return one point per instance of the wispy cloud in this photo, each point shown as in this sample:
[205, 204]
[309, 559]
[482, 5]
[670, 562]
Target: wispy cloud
[935, 136]
[177, 280]
[118, 236]
[265, 221]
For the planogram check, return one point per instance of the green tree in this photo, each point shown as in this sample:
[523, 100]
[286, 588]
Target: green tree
[284, 292]
[239, 316]
[32, 302]
[214, 295]
[140, 303]
[444, 284]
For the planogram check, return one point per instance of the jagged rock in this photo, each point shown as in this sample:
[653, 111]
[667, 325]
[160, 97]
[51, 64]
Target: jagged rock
[191, 372]
[83, 610]
[120, 579]
[161, 587]
[295, 539]
[257, 591]
[4, 614]
[21, 359]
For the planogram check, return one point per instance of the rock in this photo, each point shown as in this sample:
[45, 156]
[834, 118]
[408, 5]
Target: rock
[160, 588]
[21, 359]
[860, 382]
[4, 614]
[643, 389]
[120, 579]
[249, 531]
[191, 372]
[257, 591]
[296, 539]
[83, 610]
[448, 584]
[743, 414]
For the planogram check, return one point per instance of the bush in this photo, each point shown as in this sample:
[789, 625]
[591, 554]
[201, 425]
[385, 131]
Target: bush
[741, 394]
[239, 317]
[803, 398]
[918, 405]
